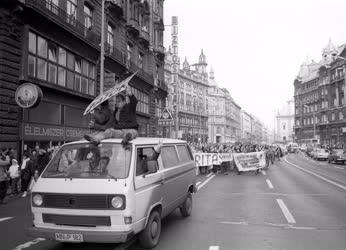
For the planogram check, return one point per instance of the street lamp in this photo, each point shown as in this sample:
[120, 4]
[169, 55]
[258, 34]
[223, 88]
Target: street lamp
[314, 121]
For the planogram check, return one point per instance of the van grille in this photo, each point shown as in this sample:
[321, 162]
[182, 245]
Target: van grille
[75, 220]
[76, 201]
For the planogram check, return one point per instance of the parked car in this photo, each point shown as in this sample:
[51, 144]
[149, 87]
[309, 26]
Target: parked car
[293, 148]
[303, 148]
[107, 193]
[321, 154]
[337, 155]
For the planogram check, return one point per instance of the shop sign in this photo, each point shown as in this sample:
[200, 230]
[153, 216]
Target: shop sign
[39, 132]
[28, 95]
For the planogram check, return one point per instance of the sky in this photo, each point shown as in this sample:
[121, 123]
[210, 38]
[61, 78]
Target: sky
[256, 47]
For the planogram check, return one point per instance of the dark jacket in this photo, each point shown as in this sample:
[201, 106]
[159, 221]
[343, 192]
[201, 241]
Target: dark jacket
[127, 116]
[104, 118]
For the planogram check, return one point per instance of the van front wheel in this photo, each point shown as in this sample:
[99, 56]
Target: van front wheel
[150, 236]
[186, 207]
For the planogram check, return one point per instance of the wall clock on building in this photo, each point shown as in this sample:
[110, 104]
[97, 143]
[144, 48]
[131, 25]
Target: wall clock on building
[28, 95]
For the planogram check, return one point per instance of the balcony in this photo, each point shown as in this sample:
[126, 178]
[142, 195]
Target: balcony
[133, 26]
[116, 7]
[63, 19]
[141, 73]
[144, 36]
[160, 51]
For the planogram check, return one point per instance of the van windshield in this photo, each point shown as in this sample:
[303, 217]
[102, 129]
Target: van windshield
[108, 160]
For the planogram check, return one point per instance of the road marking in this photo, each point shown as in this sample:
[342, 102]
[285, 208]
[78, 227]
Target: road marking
[270, 185]
[235, 223]
[338, 167]
[205, 182]
[286, 212]
[317, 175]
[285, 226]
[198, 183]
[214, 248]
[5, 218]
[209, 175]
[264, 172]
[30, 243]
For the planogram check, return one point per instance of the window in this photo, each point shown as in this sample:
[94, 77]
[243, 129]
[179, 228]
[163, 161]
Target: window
[146, 161]
[341, 115]
[333, 116]
[88, 17]
[169, 156]
[110, 38]
[72, 11]
[184, 154]
[284, 126]
[140, 60]
[129, 54]
[143, 100]
[53, 6]
[49, 62]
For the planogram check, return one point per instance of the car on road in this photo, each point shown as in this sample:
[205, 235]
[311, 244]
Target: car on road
[303, 148]
[108, 193]
[337, 155]
[320, 154]
[293, 148]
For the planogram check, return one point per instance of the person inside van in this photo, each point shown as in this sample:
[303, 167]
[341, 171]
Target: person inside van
[147, 162]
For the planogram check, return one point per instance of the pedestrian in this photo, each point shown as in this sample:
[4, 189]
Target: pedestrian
[26, 170]
[125, 124]
[14, 176]
[4, 162]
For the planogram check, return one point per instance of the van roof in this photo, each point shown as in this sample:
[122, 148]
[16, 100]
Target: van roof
[138, 140]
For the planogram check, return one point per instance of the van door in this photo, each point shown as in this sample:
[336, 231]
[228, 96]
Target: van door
[148, 181]
[178, 174]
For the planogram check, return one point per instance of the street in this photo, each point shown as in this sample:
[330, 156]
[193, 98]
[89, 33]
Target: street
[297, 203]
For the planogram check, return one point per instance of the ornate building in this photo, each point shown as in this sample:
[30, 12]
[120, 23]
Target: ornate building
[319, 95]
[62, 57]
[284, 123]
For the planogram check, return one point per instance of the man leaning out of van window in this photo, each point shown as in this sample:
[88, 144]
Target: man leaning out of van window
[142, 164]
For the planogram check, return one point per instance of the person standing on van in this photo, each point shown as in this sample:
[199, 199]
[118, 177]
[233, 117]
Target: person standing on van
[125, 123]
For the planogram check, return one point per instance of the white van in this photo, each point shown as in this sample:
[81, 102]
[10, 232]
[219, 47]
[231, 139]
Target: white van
[105, 193]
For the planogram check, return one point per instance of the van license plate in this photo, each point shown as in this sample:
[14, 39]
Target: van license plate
[69, 237]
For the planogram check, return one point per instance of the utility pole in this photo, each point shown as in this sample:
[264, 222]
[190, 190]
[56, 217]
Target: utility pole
[102, 54]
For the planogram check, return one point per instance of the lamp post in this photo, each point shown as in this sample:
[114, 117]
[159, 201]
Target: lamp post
[314, 120]
[102, 53]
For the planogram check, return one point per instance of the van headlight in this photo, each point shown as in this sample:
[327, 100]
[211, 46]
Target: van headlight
[37, 199]
[118, 202]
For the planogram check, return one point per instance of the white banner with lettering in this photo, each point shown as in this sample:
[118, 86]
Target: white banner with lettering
[250, 161]
[208, 159]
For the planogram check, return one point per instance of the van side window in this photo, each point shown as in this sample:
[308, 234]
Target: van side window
[146, 161]
[169, 156]
[184, 154]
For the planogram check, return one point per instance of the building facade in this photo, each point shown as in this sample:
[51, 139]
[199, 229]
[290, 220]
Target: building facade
[246, 126]
[191, 117]
[284, 122]
[63, 59]
[320, 99]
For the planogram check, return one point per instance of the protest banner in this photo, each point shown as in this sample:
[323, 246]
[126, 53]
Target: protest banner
[209, 159]
[249, 161]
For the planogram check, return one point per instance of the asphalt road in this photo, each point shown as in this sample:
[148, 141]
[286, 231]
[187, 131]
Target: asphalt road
[298, 203]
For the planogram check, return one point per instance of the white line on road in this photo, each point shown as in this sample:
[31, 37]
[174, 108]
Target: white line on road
[29, 243]
[286, 212]
[5, 218]
[214, 248]
[209, 175]
[270, 185]
[264, 172]
[317, 175]
[338, 167]
[205, 182]
[198, 183]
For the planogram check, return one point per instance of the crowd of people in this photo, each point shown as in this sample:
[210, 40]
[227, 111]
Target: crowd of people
[272, 152]
[16, 176]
